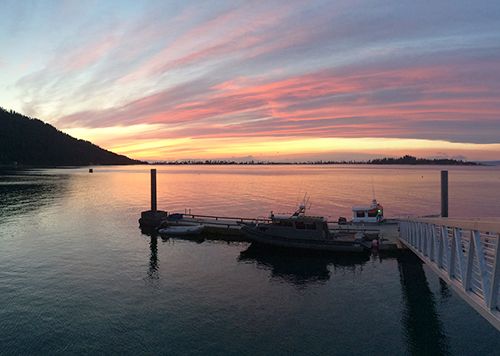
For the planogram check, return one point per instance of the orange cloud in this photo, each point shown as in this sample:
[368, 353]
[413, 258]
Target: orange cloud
[427, 102]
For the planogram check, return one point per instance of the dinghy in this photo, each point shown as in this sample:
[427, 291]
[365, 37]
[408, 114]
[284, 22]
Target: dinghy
[181, 229]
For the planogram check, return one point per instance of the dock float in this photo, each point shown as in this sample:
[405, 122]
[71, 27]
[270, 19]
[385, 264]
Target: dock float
[228, 228]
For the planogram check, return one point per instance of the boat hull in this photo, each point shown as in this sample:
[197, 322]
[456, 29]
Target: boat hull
[181, 230]
[298, 243]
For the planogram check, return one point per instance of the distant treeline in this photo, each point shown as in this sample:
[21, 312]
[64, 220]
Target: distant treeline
[386, 161]
[26, 141]
[413, 160]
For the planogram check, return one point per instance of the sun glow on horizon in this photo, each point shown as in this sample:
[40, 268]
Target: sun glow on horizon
[271, 80]
[117, 139]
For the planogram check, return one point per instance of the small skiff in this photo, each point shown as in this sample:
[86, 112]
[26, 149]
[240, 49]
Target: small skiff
[181, 230]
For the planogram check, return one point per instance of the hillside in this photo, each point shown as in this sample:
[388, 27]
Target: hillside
[423, 161]
[28, 141]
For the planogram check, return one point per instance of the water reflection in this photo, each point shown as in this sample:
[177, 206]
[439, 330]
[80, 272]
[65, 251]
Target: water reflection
[422, 327]
[300, 268]
[153, 273]
[153, 258]
[444, 291]
[23, 192]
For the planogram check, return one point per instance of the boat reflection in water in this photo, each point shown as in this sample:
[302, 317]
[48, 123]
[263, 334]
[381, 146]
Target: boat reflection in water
[300, 267]
[422, 327]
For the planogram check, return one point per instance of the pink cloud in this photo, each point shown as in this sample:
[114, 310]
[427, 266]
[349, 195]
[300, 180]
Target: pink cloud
[231, 33]
[327, 103]
[90, 54]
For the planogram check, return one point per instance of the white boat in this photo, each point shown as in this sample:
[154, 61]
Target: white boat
[181, 229]
[368, 214]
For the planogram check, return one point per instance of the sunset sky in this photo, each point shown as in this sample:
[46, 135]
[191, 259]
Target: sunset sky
[272, 80]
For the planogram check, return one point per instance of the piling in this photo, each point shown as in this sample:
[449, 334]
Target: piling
[151, 219]
[444, 194]
[153, 190]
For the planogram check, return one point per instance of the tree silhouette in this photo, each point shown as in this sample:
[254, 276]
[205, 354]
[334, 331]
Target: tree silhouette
[29, 141]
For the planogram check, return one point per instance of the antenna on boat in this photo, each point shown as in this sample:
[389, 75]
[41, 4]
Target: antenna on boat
[306, 201]
[302, 206]
[373, 189]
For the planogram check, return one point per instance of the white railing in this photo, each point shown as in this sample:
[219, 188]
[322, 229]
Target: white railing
[464, 253]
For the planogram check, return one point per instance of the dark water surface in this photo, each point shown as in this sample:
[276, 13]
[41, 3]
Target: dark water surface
[78, 277]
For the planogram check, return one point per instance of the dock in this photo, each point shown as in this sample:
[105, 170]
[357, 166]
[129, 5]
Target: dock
[225, 228]
[228, 228]
[464, 253]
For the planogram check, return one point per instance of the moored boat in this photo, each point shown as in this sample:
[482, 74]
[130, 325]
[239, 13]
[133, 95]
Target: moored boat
[368, 214]
[302, 231]
[181, 229]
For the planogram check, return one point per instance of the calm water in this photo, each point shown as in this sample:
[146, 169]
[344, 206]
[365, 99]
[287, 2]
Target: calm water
[77, 275]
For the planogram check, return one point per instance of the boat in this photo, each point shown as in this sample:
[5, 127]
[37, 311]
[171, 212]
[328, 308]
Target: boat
[368, 214]
[304, 232]
[181, 229]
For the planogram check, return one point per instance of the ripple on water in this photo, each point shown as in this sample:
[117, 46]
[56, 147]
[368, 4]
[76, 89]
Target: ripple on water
[77, 275]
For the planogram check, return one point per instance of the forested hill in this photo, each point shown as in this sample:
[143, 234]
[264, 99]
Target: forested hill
[423, 161]
[27, 141]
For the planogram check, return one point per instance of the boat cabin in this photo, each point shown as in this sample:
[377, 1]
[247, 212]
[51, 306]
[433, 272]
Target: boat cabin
[297, 226]
[301, 223]
[368, 214]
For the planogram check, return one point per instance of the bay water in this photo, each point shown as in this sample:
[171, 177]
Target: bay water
[77, 276]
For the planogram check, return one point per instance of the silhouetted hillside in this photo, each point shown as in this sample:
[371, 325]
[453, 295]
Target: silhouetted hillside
[413, 160]
[28, 141]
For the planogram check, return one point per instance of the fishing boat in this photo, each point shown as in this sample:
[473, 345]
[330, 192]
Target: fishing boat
[368, 214]
[181, 229]
[302, 231]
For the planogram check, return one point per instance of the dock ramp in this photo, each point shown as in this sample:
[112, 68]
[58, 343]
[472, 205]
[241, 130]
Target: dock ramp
[464, 253]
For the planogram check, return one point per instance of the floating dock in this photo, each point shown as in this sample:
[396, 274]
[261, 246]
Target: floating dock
[228, 228]
[465, 253]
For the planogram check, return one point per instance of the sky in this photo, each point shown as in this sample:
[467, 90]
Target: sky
[264, 80]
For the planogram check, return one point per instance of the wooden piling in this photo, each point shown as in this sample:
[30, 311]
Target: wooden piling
[153, 190]
[444, 194]
[151, 219]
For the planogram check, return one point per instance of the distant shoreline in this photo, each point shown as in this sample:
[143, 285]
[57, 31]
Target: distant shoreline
[405, 161]
[20, 167]
[310, 164]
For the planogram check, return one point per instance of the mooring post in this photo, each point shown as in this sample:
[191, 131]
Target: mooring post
[153, 189]
[444, 194]
[151, 219]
